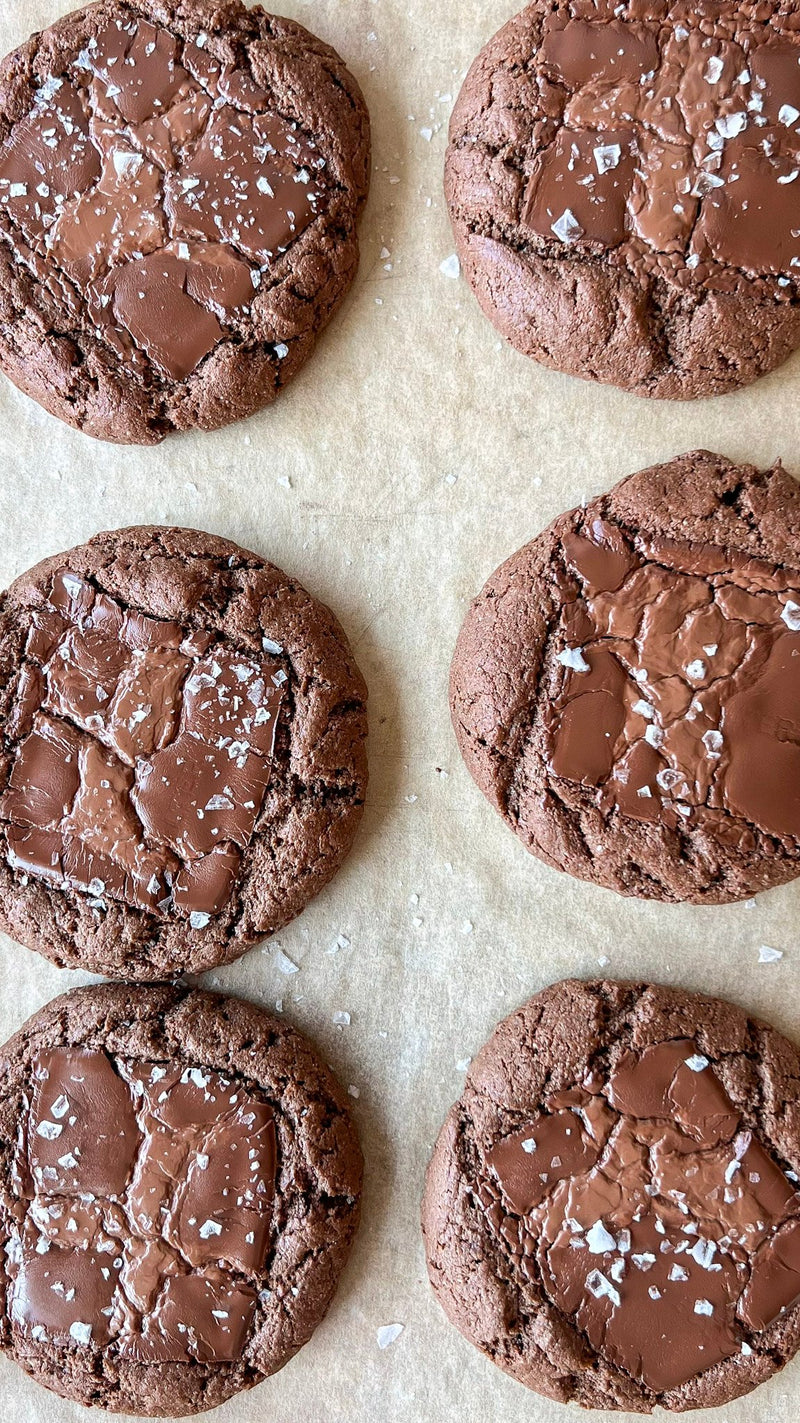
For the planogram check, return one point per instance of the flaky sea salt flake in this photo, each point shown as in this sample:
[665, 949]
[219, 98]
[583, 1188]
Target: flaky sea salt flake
[566, 227]
[387, 1334]
[573, 658]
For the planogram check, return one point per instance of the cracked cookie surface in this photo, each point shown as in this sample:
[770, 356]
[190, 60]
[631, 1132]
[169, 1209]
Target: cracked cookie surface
[624, 690]
[179, 189]
[179, 1191]
[622, 183]
[184, 761]
[611, 1211]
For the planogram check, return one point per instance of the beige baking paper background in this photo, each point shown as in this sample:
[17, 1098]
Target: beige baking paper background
[412, 455]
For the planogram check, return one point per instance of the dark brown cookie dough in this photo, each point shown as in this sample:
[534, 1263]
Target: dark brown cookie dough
[625, 689]
[179, 190]
[179, 1190]
[622, 183]
[183, 753]
[611, 1212]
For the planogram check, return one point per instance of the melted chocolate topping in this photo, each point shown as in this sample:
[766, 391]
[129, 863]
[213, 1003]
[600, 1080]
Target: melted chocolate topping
[143, 1194]
[161, 186]
[650, 1215]
[144, 755]
[679, 695]
[681, 143]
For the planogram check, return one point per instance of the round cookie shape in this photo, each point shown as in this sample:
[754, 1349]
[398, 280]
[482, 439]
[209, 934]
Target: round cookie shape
[184, 762]
[179, 190]
[179, 1191]
[611, 1212]
[621, 180]
[625, 689]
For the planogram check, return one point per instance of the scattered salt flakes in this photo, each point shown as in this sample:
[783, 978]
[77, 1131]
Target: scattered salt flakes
[387, 1334]
[60, 1107]
[573, 658]
[703, 1306]
[467, 927]
[209, 1228]
[450, 267]
[607, 156]
[385, 254]
[654, 1292]
[746, 1350]
[341, 1020]
[604, 961]
[411, 799]
[697, 1063]
[283, 962]
[714, 70]
[644, 793]
[463, 1063]
[768, 955]
[199, 920]
[273, 648]
[677, 1274]
[599, 1240]
[599, 1286]
[696, 670]
[654, 736]
[749, 904]
[791, 616]
[426, 133]
[51, 1131]
[18, 190]
[281, 350]
[788, 114]
[529, 1145]
[732, 124]
[566, 227]
[353, 1091]
[340, 942]
[81, 1333]
[264, 186]
[278, 1005]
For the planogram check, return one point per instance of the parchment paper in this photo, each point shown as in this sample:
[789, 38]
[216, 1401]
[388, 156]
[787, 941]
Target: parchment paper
[414, 453]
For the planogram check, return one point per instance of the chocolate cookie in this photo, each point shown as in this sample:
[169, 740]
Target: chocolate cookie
[626, 689]
[179, 1187]
[183, 753]
[611, 1213]
[621, 180]
[179, 187]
